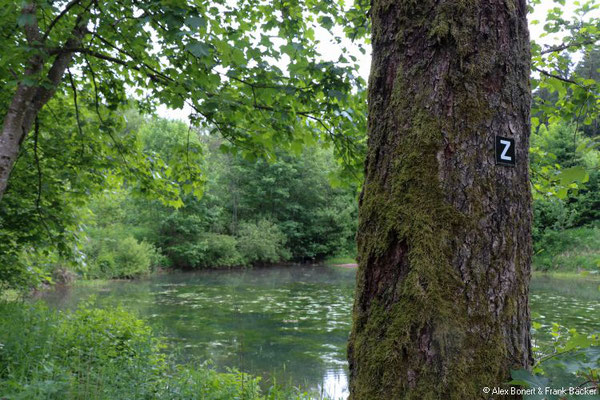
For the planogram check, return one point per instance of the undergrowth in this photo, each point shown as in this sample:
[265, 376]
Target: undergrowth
[105, 354]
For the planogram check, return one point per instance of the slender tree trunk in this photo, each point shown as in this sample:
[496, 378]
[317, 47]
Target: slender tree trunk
[29, 99]
[441, 308]
[13, 133]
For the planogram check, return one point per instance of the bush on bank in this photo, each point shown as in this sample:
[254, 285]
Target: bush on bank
[104, 354]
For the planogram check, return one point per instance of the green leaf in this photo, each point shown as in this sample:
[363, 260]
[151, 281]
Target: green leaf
[573, 174]
[198, 49]
[196, 22]
[562, 193]
[326, 22]
[526, 379]
[25, 19]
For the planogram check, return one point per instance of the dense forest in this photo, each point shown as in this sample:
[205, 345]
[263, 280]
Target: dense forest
[293, 207]
[251, 212]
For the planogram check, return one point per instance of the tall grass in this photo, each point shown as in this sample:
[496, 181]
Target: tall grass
[104, 354]
[569, 250]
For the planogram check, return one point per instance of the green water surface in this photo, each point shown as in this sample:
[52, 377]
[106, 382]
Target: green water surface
[288, 324]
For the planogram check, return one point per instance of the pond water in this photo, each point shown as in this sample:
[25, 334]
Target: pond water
[288, 324]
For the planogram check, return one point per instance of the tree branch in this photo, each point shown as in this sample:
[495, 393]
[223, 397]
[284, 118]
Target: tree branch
[44, 93]
[74, 88]
[155, 77]
[560, 78]
[39, 174]
[96, 96]
[32, 30]
[565, 46]
[133, 57]
[70, 5]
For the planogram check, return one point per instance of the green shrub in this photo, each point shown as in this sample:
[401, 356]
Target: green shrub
[209, 250]
[261, 243]
[588, 201]
[86, 354]
[186, 254]
[95, 335]
[568, 250]
[221, 251]
[104, 354]
[551, 214]
[113, 253]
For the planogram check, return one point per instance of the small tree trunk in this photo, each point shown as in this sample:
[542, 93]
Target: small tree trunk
[441, 308]
[14, 129]
[29, 100]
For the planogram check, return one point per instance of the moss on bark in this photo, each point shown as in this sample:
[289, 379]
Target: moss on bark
[444, 248]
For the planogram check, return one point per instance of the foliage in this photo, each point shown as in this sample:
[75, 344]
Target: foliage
[556, 166]
[568, 90]
[215, 58]
[317, 217]
[572, 362]
[85, 354]
[309, 217]
[187, 245]
[552, 214]
[109, 250]
[565, 180]
[569, 250]
[118, 232]
[104, 354]
[261, 243]
[587, 202]
[59, 171]
[115, 254]
[565, 109]
[219, 251]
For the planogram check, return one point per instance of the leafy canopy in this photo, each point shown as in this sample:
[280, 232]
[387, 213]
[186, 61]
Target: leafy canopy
[249, 69]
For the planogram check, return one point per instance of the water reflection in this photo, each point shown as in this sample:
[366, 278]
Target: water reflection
[288, 324]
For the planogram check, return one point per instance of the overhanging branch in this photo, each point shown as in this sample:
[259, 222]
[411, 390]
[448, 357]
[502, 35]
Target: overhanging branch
[565, 46]
[560, 78]
[70, 5]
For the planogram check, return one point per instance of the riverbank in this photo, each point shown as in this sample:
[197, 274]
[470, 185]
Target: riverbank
[94, 353]
[569, 275]
[288, 324]
[569, 250]
[78, 280]
[570, 253]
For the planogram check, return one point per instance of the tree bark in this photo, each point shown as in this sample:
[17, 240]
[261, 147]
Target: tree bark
[29, 99]
[441, 308]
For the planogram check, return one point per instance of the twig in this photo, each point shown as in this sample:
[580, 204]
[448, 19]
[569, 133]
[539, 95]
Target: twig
[58, 17]
[560, 78]
[76, 111]
[96, 97]
[565, 46]
[39, 173]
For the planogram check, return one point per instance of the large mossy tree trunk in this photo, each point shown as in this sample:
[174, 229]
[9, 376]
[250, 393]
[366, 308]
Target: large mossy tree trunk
[441, 306]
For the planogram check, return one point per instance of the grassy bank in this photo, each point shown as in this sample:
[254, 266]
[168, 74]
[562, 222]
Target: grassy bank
[568, 251]
[104, 354]
[340, 260]
[569, 275]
